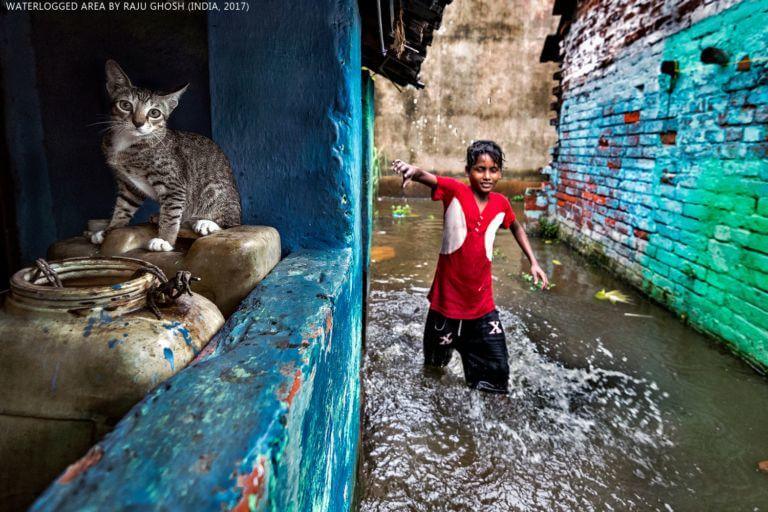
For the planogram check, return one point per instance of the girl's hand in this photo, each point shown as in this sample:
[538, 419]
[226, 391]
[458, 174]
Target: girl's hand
[406, 171]
[537, 274]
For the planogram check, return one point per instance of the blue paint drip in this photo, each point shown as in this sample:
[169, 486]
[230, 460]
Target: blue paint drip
[89, 327]
[114, 341]
[117, 286]
[180, 329]
[168, 353]
[104, 317]
[55, 377]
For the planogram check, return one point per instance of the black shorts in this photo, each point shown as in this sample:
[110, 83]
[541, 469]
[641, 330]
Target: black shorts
[480, 342]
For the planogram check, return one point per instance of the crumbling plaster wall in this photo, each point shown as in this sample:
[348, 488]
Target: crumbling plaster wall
[483, 81]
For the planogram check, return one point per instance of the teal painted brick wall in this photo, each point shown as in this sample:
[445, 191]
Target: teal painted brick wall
[667, 178]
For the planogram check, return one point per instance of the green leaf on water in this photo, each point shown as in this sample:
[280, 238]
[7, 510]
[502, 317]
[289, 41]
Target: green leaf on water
[613, 296]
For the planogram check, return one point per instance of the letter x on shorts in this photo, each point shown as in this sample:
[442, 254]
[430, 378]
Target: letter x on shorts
[480, 342]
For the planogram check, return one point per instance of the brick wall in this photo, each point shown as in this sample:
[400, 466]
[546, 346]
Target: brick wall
[665, 176]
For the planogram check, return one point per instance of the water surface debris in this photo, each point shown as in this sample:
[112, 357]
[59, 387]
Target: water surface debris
[763, 466]
[399, 211]
[536, 286]
[635, 315]
[382, 253]
[613, 296]
[556, 262]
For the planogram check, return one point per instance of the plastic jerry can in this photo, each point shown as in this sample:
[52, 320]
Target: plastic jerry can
[75, 358]
[229, 262]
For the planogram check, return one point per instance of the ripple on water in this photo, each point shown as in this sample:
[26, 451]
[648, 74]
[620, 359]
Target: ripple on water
[564, 439]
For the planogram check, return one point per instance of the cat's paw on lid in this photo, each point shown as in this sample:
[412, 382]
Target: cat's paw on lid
[97, 237]
[158, 245]
[205, 227]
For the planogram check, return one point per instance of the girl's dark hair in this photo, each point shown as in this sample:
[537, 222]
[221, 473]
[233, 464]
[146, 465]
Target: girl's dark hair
[484, 147]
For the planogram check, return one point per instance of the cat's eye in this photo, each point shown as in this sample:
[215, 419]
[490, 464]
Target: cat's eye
[154, 113]
[125, 105]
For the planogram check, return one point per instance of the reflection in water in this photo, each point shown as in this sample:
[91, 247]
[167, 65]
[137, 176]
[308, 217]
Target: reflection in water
[606, 412]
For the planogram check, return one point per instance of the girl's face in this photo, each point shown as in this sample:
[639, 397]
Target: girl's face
[484, 174]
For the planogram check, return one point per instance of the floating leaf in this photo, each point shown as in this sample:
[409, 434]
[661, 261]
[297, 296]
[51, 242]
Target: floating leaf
[399, 211]
[547, 242]
[556, 262]
[635, 315]
[613, 296]
[529, 278]
[382, 253]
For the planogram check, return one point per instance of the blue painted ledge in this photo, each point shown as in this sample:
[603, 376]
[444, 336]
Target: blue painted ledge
[266, 418]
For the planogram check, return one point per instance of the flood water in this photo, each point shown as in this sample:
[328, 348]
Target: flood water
[606, 411]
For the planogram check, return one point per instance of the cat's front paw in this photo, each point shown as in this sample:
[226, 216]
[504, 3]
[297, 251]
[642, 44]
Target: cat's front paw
[205, 227]
[158, 245]
[98, 237]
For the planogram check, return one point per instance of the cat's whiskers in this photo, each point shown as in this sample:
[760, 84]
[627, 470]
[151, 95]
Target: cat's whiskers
[103, 122]
[159, 140]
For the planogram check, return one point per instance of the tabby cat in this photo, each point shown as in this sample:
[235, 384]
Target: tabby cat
[188, 174]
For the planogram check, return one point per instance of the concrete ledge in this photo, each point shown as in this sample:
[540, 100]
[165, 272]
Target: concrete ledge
[265, 418]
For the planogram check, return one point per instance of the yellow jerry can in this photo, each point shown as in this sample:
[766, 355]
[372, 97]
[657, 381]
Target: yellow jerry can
[75, 357]
[229, 262]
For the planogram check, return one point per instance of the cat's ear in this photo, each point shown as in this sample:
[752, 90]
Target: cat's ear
[116, 78]
[172, 98]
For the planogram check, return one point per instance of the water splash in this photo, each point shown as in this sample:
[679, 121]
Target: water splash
[564, 439]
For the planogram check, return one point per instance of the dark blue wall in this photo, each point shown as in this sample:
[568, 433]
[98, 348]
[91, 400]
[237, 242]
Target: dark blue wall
[54, 92]
[278, 390]
[285, 91]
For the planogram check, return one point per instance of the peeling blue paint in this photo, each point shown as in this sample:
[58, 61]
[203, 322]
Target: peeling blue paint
[245, 400]
[280, 386]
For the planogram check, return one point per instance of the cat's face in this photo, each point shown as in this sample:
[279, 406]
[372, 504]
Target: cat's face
[138, 111]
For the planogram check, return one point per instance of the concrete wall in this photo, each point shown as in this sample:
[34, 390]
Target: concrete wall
[267, 418]
[666, 179]
[483, 81]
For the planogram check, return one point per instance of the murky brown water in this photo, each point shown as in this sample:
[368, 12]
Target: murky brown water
[607, 411]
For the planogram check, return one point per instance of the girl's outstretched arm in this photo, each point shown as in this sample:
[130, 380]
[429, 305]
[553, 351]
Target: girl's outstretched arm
[522, 240]
[411, 172]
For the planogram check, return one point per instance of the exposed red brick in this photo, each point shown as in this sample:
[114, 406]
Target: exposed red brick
[744, 64]
[639, 233]
[669, 138]
[614, 164]
[632, 117]
[603, 143]
[566, 197]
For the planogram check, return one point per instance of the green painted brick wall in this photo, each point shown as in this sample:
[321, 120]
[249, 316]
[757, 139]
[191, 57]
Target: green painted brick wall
[668, 177]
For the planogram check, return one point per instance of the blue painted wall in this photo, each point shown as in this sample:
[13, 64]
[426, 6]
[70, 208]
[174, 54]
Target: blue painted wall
[285, 97]
[666, 179]
[268, 418]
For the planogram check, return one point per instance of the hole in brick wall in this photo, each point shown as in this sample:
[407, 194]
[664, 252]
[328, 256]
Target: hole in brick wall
[712, 55]
[668, 178]
[640, 87]
[669, 137]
